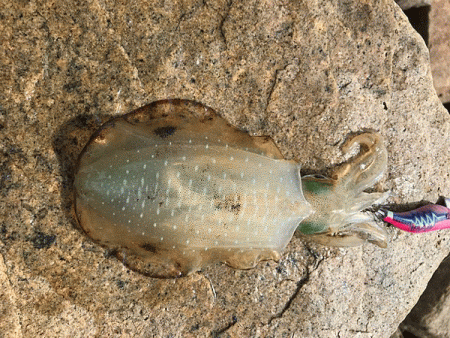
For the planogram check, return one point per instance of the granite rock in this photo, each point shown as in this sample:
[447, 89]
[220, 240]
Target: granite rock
[306, 73]
[440, 48]
[430, 317]
[407, 4]
[397, 334]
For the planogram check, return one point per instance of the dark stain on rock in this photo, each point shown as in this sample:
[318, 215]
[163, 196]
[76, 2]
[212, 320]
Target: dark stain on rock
[42, 240]
[41, 214]
[120, 284]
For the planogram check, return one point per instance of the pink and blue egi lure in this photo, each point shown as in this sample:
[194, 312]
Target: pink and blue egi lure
[424, 219]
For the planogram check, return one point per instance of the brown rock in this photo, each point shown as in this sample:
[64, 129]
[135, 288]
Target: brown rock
[430, 317]
[407, 4]
[440, 48]
[397, 334]
[306, 73]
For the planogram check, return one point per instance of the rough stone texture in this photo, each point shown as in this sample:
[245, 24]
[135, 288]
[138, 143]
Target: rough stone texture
[407, 4]
[439, 45]
[307, 73]
[397, 334]
[430, 317]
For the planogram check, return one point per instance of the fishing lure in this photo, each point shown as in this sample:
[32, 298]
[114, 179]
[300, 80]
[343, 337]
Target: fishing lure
[172, 187]
[424, 219]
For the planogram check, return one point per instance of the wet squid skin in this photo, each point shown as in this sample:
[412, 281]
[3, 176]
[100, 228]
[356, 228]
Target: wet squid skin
[172, 187]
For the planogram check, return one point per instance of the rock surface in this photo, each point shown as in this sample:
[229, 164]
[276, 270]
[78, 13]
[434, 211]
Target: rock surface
[305, 73]
[440, 48]
[407, 4]
[430, 317]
